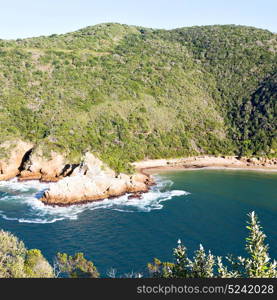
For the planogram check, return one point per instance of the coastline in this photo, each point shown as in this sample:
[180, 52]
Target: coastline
[151, 167]
[92, 180]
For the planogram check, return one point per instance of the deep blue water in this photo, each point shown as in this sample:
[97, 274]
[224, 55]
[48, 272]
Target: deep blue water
[200, 206]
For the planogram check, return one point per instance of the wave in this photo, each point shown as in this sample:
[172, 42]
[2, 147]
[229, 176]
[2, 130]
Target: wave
[24, 185]
[22, 197]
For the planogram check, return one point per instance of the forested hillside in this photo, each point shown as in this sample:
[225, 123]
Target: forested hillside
[127, 93]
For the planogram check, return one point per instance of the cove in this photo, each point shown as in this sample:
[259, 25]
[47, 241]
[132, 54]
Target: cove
[199, 206]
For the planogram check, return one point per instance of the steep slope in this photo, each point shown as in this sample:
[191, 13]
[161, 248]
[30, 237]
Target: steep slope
[256, 119]
[241, 59]
[127, 92]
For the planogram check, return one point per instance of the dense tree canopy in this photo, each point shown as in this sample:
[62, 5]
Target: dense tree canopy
[129, 92]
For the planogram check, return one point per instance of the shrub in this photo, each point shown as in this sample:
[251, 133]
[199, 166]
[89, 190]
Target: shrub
[18, 262]
[205, 265]
[76, 266]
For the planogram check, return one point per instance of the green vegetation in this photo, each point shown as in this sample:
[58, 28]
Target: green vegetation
[18, 262]
[205, 265]
[76, 266]
[129, 93]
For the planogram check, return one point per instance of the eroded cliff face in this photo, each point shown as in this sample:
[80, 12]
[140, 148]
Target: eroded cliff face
[13, 154]
[48, 169]
[92, 181]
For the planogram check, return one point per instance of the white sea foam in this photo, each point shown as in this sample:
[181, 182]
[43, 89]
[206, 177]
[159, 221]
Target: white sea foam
[23, 185]
[24, 198]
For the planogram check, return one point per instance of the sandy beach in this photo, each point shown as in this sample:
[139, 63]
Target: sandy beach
[153, 166]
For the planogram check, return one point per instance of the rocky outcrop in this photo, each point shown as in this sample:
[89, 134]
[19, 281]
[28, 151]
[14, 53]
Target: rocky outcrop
[40, 168]
[92, 181]
[260, 161]
[75, 183]
[13, 155]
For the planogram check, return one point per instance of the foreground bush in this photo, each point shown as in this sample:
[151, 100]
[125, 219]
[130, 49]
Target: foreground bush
[76, 266]
[205, 265]
[18, 262]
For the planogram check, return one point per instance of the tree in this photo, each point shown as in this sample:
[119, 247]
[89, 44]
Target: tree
[18, 262]
[36, 266]
[257, 265]
[12, 253]
[76, 266]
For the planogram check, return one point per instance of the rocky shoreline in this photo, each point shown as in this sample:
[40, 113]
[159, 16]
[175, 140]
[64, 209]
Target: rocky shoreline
[92, 180]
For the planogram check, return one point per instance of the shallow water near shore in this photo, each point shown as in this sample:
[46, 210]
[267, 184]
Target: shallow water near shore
[200, 206]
